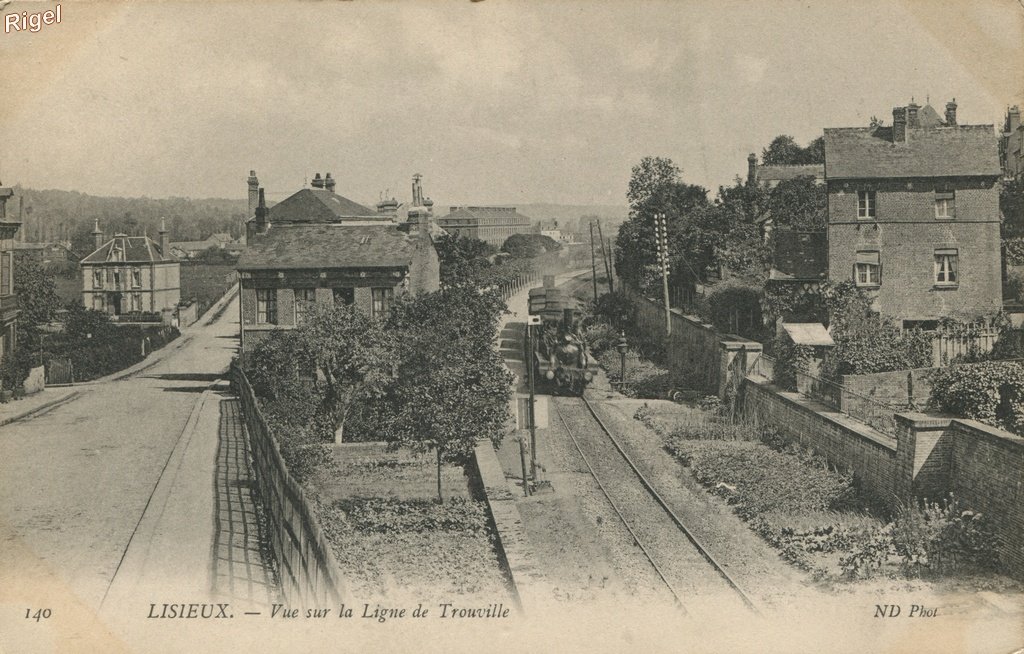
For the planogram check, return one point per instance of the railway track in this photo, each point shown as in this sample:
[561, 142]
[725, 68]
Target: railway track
[688, 570]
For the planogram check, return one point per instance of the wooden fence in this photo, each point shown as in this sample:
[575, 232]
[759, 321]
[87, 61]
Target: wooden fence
[310, 574]
[947, 348]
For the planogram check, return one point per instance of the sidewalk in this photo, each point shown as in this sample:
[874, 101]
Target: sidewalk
[37, 403]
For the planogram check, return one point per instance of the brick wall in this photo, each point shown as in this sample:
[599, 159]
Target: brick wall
[846, 443]
[906, 234]
[988, 476]
[696, 351]
[891, 387]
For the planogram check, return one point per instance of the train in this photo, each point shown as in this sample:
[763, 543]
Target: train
[556, 347]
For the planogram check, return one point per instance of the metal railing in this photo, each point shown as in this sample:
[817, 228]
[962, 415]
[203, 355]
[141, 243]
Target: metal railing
[878, 415]
[764, 366]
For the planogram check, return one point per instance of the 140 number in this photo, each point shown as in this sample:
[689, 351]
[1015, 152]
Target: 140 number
[39, 614]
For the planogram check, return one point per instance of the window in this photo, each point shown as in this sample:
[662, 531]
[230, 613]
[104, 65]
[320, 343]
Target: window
[946, 268]
[136, 301]
[344, 296]
[97, 302]
[305, 298]
[865, 204]
[117, 279]
[97, 278]
[382, 302]
[266, 306]
[136, 278]
[867, 271]
[945, 204]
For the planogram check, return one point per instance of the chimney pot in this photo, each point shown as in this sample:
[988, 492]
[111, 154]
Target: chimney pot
[329, 183]
[318, 181]
[751, 168]
[165, 241]
[912, 120]
[96, 233]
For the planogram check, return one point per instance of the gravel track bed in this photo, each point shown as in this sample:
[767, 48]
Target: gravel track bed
[691, 576]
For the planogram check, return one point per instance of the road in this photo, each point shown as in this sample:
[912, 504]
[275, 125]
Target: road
[111, 496]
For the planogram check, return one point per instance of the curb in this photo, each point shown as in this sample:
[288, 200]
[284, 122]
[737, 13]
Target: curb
[40, 409]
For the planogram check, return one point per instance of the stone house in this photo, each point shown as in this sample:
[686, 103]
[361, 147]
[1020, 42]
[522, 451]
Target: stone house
[8, 300]
[913, 215]
[318, 247]
[131, 274]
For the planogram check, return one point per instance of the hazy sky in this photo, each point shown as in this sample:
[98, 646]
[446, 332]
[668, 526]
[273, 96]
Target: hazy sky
[500, 102]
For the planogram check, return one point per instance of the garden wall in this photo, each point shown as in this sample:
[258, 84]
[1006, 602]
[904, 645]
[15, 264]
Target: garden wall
[893, 387]
[308, 569]
[988, 476]
[695, 350]
[847, 443]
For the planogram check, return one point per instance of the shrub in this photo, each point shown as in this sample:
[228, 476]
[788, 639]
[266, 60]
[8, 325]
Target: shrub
[14, 368]
[941, 538]
[615, 309]
[734, 308]
[992, 392]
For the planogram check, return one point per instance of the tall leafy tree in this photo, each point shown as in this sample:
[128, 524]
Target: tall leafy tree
[799, 204]
[37, 299]
[451, 387]
[650, 177]
[1011, 205]
[784, 150]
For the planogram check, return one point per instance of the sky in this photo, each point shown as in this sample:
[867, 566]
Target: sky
[492, 102]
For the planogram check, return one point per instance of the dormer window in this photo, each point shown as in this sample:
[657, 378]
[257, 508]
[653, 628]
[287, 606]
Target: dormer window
[865, 204]
[136, 277]
[945, 205]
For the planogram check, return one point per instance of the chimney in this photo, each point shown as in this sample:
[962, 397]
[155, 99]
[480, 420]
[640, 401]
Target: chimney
[751, 168]
[261, 215]
[165, 241]
[1013, 119]
[899, 124]
[951, 112]
[912, 114]
[97, 234]
[254, 193]
[329, 183]
[417, 191]
[318, 181]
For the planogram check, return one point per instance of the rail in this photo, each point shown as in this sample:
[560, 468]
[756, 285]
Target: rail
[701, 549]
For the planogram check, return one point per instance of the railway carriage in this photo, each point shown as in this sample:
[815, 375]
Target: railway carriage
[559, 352]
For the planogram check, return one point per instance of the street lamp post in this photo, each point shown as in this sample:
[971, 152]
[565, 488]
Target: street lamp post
[621, 347]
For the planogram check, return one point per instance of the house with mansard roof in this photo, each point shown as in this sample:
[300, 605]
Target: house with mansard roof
[913, 214]
[320, 248]
[131, 275]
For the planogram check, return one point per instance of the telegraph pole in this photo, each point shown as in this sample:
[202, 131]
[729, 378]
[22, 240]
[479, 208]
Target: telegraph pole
[661, 240]
[593, 260]
[604, 257]
[530, 411]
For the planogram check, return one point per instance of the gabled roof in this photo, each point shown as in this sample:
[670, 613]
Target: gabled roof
[785, 172]
[133, 249]
[327, 245]
[318, 206]
[863, 153]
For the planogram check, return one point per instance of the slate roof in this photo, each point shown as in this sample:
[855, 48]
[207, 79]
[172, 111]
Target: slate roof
[318, 206]
[863, 153]
[326, 245]
[136, 249]
[782, 173]
[486, 216]
[808, 333]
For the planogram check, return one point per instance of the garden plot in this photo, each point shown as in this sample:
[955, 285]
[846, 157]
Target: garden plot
[393, 539]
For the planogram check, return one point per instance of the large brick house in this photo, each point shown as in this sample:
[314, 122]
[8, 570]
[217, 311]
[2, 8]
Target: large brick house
[318, 247]
[913, 215]
[131, 275]
[8, 300]
[489, 224]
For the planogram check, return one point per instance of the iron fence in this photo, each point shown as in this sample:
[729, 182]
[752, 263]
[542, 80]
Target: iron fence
[878, 415]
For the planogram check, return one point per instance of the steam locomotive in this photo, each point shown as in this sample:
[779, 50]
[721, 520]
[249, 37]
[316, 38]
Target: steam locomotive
[556, 346]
